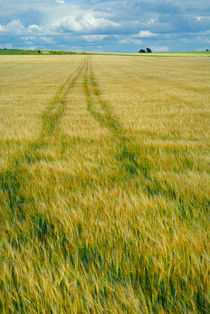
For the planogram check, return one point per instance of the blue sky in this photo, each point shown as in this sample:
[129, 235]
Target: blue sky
[105, 25]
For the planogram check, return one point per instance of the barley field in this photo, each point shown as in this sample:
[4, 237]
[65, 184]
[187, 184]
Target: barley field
[104, 184]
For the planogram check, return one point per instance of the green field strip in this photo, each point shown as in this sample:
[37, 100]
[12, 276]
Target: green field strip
[187, 54]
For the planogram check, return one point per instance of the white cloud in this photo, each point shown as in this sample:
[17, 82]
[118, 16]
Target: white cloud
[92, 38]
[65, 21]
[135, 22]
[160, 48]
[146, 34]
[34, 27]
[27, 38]
[76, 20]
[199, 18]
[151, 21]
[129, 41]
[62, 19]
[46, 39]
[14, 27]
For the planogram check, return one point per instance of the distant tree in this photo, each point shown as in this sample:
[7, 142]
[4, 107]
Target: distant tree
[39, 51]
[207, 49]
[142, 51]
[148, 50]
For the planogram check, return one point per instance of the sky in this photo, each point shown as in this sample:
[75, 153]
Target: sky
[105, 25]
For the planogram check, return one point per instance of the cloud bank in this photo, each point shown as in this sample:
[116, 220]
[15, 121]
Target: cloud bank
[105, 25]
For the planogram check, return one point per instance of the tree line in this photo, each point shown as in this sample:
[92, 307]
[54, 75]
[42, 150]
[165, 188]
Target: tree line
[147, 50]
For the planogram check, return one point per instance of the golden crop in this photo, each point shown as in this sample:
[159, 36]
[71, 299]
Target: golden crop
[104, 184]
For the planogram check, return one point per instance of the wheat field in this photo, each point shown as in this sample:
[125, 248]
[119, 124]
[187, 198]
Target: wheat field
[104, 184]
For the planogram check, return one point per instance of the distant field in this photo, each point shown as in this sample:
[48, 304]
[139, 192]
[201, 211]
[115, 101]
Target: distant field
[60, 52]
[182, 54]
[34, 52]
[104, 184]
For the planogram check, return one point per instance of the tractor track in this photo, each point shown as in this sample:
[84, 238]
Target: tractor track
[129, 157]
[126, 149]
[50, 117]
[132, 157]
[15, 177]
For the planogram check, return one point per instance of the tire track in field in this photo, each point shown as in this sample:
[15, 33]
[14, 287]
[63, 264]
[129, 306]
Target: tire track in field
[127, 151]
[55, 111]
[15, 177]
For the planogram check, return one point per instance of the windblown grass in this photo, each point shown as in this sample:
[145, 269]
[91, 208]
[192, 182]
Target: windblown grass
[104, 185]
